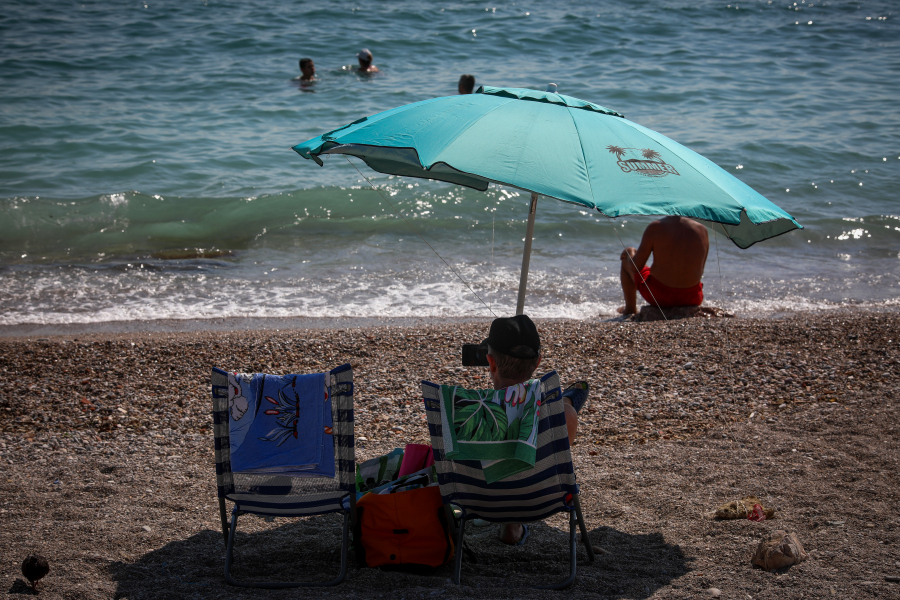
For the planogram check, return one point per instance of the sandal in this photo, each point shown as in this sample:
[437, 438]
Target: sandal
[525, 533]
[578, 394]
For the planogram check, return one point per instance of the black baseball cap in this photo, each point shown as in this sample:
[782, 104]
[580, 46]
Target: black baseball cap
[515, 336]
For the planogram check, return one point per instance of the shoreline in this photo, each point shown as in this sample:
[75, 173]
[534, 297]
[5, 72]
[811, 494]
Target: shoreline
[280, 324]
[233, 324]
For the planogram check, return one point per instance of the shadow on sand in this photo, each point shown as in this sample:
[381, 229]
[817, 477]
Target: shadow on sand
[636, 566]
[19, 586]
[287, 550]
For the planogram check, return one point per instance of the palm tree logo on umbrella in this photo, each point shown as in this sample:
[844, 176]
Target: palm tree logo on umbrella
[648, 163]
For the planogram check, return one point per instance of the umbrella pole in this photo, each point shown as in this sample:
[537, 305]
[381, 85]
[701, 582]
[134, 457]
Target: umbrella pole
[526, 256]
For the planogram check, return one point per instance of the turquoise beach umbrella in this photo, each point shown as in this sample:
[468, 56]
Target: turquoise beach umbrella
[557, 146]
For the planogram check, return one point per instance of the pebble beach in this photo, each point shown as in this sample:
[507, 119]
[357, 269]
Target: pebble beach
[106, 463]
[158, 224]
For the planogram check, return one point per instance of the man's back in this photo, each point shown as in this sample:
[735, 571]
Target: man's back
[679, 247]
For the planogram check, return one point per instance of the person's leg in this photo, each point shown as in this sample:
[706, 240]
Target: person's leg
[571, 420]
[629, 290]
[511, 533]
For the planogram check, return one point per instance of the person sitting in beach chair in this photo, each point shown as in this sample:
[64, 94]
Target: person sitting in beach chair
[679, 247]
[503, 455]
[514, 353]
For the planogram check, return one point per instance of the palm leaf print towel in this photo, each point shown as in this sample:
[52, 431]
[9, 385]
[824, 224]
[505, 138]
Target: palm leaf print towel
[497, 427]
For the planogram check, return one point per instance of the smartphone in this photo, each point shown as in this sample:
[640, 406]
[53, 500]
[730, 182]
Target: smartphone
[474, 355]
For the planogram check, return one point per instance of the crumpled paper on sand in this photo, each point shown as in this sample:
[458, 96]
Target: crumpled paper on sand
[741, 509]
[779, 549]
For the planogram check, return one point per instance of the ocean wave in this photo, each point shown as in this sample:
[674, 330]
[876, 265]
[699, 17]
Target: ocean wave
[132, 224]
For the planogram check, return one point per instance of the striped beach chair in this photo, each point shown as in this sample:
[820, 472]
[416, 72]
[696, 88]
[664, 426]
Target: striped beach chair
[529, 496]
[286, 493]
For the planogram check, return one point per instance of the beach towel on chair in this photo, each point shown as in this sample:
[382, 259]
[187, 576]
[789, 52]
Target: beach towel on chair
[378, 471]
[280, 424]
[497, 427]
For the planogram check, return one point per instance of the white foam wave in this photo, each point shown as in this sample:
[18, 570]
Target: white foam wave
[116, 199]
[397, 300]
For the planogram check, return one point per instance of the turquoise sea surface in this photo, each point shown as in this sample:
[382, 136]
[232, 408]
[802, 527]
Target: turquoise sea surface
[146, 170]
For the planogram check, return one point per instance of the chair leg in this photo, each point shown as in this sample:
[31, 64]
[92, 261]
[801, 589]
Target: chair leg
[460, 537]
[229, 547]
[573, 545]
[223, 516]
[573, 550]
[451, 519]
[345, 545]
[272, 585]
[583, 528]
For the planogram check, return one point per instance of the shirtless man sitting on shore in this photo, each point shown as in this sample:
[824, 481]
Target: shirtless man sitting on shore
[679, 247]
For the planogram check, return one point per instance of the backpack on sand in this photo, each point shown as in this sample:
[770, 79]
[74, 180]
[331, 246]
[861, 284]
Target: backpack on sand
[405, 530]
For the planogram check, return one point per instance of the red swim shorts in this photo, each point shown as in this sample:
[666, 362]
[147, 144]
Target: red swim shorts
[665, 296]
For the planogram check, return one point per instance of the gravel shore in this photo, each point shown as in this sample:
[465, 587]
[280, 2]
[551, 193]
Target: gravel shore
[106, 461]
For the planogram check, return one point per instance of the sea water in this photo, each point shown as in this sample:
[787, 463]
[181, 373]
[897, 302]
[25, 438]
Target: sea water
[146, 170]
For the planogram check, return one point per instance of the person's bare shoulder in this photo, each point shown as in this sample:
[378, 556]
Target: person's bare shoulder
[697, 227]
[654, 230]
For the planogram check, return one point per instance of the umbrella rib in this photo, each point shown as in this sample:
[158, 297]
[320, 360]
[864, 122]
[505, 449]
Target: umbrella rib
[416, 231]
[461, 132]
[583, 157]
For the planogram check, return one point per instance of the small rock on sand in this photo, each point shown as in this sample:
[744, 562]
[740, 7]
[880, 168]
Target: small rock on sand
[778, 550]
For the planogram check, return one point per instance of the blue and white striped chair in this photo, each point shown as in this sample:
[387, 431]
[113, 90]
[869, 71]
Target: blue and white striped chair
[271, 491]
[529, 496]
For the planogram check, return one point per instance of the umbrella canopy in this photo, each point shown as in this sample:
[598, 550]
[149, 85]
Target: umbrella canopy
[557, 146]
[553, 145]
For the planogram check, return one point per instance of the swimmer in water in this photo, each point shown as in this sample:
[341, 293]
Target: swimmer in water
[307, 70]
[466, 84]
[365, 62]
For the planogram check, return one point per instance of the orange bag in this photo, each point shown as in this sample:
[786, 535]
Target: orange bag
[404, 529]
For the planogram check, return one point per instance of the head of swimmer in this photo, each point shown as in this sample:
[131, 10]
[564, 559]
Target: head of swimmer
[365, 60]
[466, 84]
[307, 69]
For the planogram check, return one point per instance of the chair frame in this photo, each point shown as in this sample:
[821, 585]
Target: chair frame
[274, 585]
[575, 517]
[342, 376]
[551, 408]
